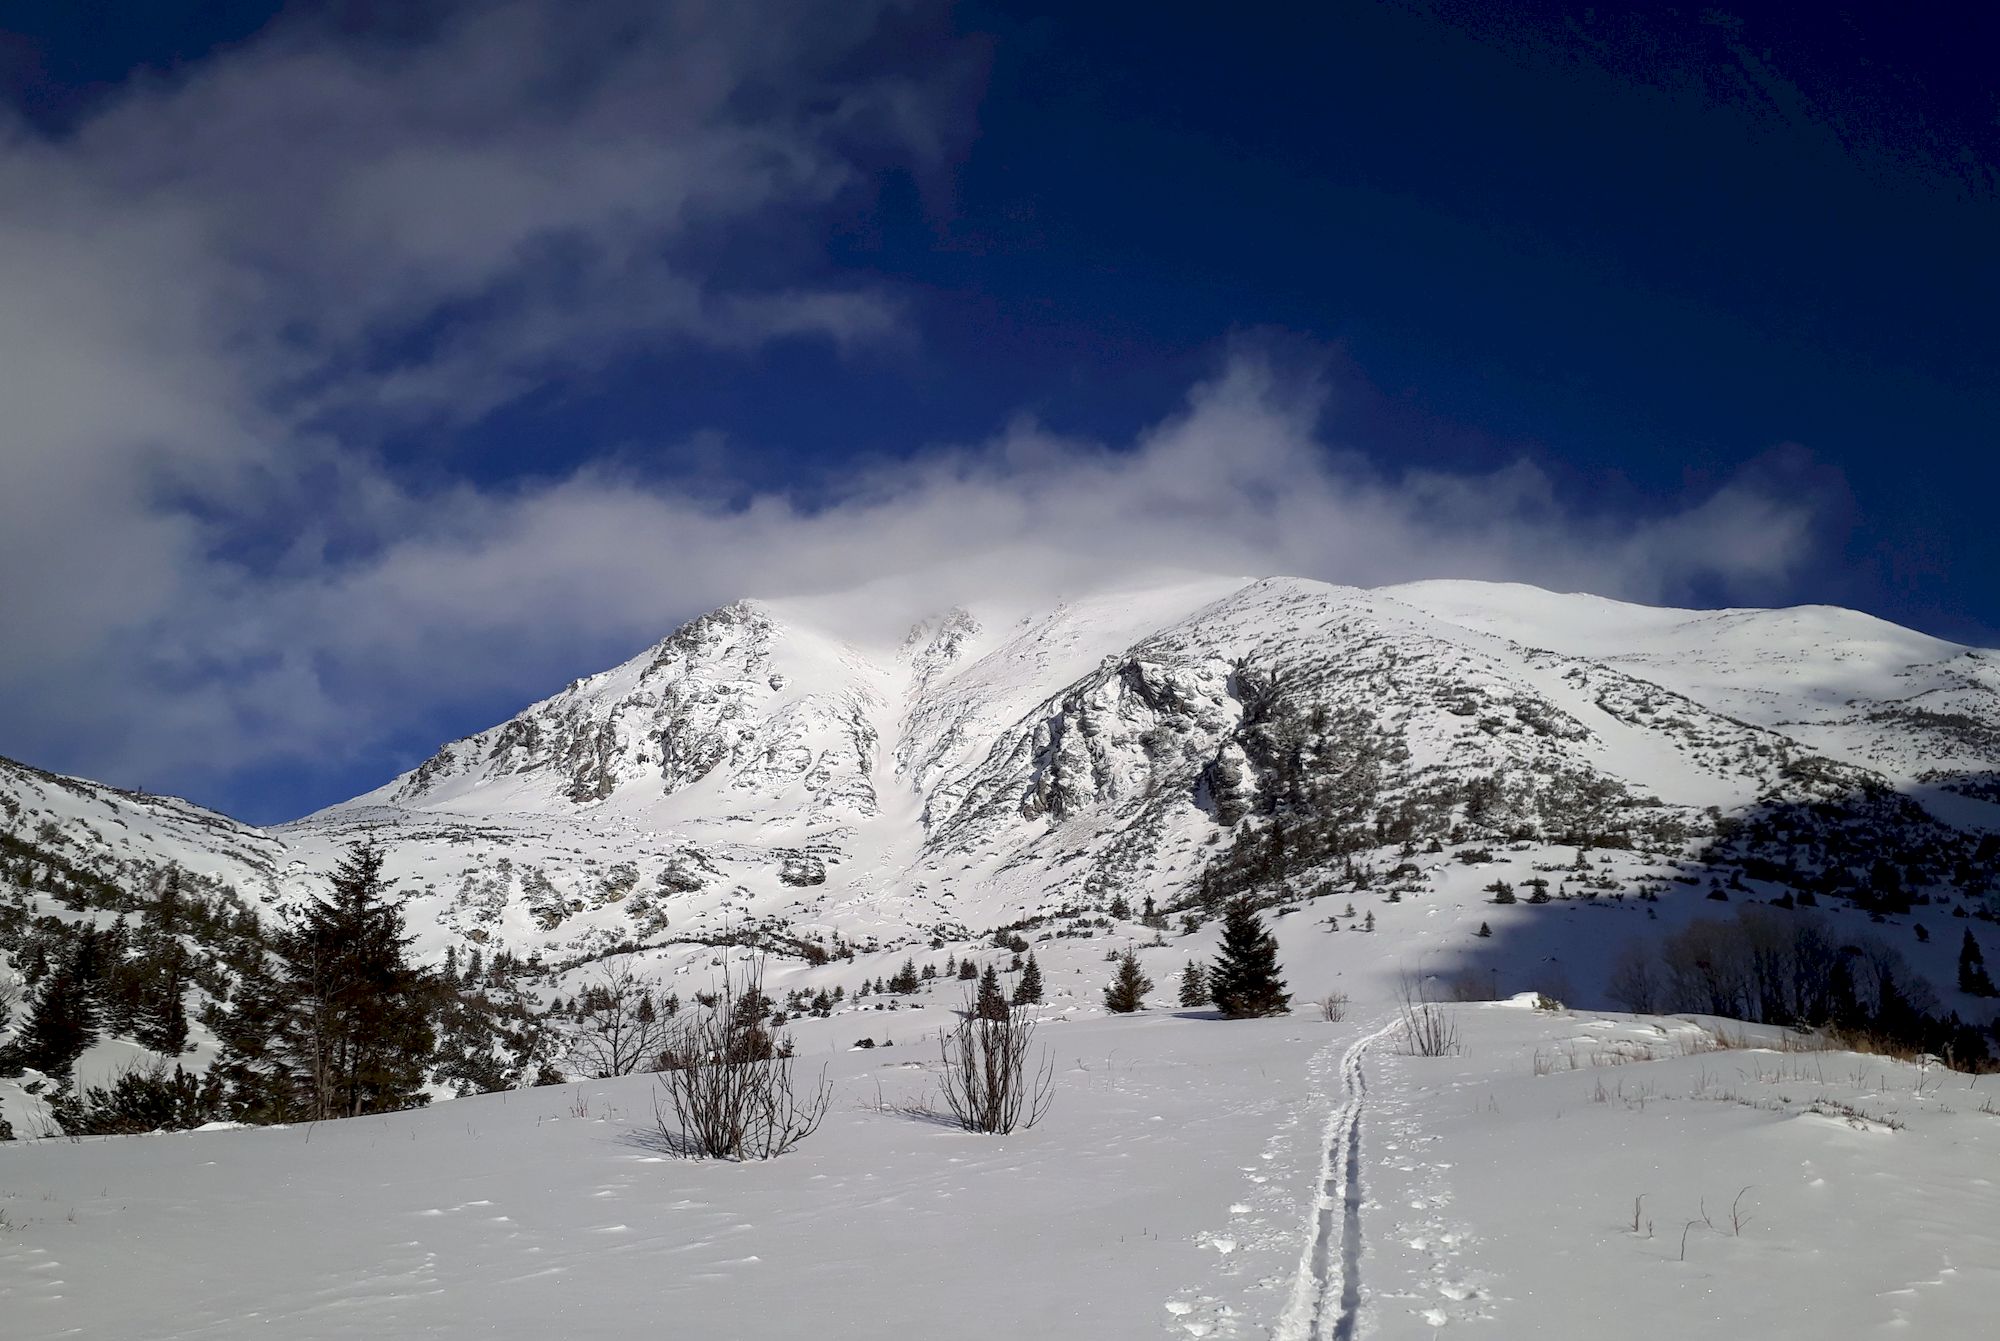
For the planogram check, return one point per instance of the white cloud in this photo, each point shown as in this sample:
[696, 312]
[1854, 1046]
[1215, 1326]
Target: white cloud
[218, 285]
[484, 593]
[317, 230]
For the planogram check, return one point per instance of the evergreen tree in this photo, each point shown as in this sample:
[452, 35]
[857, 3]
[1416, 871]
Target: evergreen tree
[1973, 978]
[163, 1022]
[748, 1032]
[991, 1003]
[968, 971]
[368, 1010]
[147, 1099]
[344, 1024]
[1484, 931]
[160, 1021]
[1028, 991]
[1844, 1008]
[164, 919]
[123, 985]
[1128, 989]
[62, 1018]
[1194, 985]
[1244, 981]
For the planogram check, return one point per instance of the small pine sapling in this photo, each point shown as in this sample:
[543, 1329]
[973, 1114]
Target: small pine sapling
[1127, 992]
[1028, 991]
[991, 1003]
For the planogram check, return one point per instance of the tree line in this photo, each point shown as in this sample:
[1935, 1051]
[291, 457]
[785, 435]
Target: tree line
[1792, 968]
[321, 1014]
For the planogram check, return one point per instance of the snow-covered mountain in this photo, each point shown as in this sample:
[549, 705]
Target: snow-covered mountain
[765, 773]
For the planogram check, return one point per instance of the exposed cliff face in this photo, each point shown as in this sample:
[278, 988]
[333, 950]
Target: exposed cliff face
[760, 770]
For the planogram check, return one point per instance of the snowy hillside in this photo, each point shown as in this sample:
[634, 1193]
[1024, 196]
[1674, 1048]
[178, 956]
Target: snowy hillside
[117, 835]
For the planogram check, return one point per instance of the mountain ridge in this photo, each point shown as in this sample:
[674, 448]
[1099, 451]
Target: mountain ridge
[754, 768]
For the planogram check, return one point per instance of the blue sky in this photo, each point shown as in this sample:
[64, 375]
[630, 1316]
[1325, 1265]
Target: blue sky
[372, 381]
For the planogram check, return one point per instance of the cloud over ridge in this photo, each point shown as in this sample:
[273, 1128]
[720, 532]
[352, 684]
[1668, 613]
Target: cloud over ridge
[222, 288]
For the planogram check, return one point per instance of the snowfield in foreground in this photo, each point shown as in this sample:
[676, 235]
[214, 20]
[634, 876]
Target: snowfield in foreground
[1289, 1178]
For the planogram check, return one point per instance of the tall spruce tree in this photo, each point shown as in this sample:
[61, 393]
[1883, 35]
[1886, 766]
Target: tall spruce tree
[1244, 980]
[348, 1016]
[363, 1025]
[1028, 991]
[62, 1018]
[1973, 978]
[1194, 985]
[1128, 988]
[161, 1022]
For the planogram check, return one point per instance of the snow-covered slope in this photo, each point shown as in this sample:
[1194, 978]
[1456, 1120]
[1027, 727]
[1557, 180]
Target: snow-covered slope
[764, 771]
[1846, 684]
[1564, 1176]
[127, 837]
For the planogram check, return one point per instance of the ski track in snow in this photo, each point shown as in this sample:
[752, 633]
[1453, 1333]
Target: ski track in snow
[1326, 1290]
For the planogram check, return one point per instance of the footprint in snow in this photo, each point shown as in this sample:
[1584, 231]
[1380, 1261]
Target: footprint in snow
[1201, 1316]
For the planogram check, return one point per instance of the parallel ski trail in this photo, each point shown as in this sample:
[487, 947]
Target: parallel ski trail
[1326, 1290]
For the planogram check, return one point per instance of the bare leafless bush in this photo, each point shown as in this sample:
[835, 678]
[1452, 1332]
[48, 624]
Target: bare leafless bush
[617, 1025]
[990, 1084]
[728, 1081]
[1333, 1007]
[1737, 1219]
[1429, 1030]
